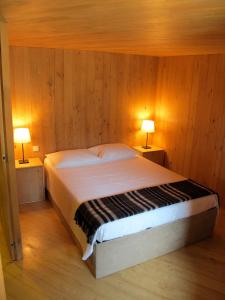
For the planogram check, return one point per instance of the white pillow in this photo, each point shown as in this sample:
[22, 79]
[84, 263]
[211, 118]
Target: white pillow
[72, 158]
[110, 152]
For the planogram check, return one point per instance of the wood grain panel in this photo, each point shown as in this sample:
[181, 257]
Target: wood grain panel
[73, 99]
[155, 27]
[9, 210]
[2, 282]
[190, 114]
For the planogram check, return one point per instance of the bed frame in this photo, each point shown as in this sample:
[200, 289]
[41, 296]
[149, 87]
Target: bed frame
[121, 253]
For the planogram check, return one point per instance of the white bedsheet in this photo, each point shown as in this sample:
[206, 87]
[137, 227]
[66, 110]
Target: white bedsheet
[72, 186]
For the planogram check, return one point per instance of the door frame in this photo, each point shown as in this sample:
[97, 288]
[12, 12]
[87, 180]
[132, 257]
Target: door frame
[11, 209]
[2, 282]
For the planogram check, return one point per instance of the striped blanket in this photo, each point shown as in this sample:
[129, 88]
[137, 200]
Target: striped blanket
[92, 214]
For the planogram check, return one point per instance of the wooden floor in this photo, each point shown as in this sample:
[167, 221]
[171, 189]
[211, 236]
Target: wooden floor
[52, 267]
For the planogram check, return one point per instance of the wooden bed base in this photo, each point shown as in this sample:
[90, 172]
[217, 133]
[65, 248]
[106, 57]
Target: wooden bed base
[121, 253]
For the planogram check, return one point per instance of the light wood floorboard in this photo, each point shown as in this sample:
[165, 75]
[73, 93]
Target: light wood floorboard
[52, 267]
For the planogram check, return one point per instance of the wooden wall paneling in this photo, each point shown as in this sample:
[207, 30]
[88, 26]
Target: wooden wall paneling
[83, 63]
[218, 115]
[59, 98]
[117, 89]
[47, 105]
[94, 99]
[69, 117]
[18, 95]
[76, 99]
[129, 97]
[108, 108]
[190, 112]
[85, 99]
[205, 156]
[33, 95]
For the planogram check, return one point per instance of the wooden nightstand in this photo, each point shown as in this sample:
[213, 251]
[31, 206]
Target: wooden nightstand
[154, 154]
[30, 181]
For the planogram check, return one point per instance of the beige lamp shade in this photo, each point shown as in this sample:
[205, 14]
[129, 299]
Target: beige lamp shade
[148, 126]
[22, 136]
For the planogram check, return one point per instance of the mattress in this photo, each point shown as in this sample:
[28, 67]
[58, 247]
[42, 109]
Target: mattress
[70, 187]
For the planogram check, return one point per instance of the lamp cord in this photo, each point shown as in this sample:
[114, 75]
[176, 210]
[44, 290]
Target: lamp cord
[23, 152]
[147, 141]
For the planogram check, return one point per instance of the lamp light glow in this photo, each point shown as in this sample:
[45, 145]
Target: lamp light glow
[147, 126]
[22, 136]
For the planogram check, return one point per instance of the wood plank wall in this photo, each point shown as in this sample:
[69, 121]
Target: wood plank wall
[190, 117]
[72, 99]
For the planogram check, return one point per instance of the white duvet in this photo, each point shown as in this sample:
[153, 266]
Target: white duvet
[72, 186]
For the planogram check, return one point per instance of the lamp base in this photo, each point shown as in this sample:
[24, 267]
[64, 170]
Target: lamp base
[146, 147]
[25, 161]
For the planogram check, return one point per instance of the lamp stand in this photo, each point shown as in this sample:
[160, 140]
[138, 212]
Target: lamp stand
[146, 145]
[23, 161]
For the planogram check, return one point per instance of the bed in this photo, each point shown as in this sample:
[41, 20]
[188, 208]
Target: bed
[135, 239]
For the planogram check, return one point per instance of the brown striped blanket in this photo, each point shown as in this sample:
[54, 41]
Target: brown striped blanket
[92, 214]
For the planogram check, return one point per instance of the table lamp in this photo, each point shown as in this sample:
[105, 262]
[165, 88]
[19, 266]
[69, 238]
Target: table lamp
[22, 136]
[147, 126]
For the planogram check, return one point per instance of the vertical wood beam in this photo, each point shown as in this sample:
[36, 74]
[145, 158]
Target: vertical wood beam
[7, 151]
[2, 283]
